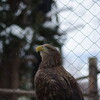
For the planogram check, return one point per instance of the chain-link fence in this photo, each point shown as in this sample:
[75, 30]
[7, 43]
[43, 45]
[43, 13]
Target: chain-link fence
[79, 23]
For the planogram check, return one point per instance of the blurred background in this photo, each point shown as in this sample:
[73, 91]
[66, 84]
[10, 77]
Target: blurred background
[71, 25]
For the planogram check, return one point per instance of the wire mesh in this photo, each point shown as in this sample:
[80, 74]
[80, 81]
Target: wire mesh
[81, 24]
[79, 21]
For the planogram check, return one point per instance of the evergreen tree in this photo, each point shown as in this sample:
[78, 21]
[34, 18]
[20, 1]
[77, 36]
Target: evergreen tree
[22, 27]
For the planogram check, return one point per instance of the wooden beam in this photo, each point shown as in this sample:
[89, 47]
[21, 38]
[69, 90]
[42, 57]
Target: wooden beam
[18, 92]
[83, 77]
[93, 72]
[98, 71]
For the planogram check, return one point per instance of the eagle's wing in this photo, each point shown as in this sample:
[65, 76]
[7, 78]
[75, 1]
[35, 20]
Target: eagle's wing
[54, 87]
[76, 93]
[72, 83]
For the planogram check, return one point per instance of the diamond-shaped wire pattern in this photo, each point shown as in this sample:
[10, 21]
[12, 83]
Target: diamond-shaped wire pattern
[79, 21]
[82, 42]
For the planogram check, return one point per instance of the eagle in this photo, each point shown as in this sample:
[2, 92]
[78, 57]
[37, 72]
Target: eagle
[52, 81]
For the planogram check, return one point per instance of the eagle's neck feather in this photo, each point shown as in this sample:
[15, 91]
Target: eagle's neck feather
[50, 62]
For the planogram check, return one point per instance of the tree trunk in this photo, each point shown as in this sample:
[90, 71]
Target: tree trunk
[15, 76]
[9, 72]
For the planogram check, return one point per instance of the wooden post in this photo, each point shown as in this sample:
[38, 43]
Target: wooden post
[93, 88]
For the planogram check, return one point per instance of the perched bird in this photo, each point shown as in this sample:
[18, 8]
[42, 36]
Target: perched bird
[52, 81]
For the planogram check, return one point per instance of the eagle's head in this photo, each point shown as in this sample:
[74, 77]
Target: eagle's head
[49, 53]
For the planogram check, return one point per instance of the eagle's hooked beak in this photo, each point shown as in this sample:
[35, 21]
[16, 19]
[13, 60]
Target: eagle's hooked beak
[40, 48]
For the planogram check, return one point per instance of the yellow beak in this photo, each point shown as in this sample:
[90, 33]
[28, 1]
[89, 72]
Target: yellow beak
[40, 48]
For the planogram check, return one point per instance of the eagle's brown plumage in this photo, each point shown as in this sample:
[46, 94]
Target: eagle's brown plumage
[52, 81]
